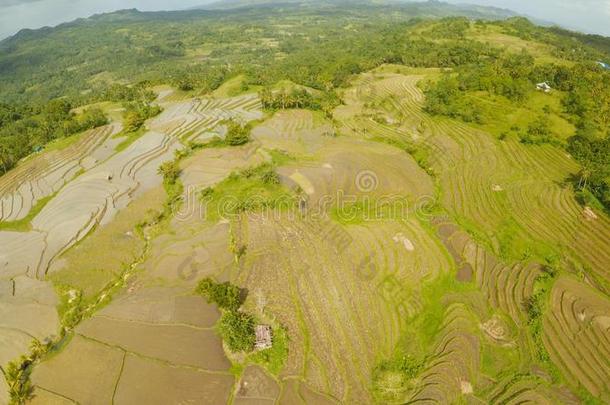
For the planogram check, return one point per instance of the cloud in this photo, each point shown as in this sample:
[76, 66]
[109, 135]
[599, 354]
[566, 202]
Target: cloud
[10, 3]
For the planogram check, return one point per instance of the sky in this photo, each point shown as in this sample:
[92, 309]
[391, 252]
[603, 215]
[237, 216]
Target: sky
[592, 16]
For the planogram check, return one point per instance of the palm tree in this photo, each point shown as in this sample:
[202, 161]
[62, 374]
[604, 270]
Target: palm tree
[585, 173]
[17, 377]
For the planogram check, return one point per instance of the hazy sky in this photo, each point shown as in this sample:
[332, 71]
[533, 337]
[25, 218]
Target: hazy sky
[585, 15]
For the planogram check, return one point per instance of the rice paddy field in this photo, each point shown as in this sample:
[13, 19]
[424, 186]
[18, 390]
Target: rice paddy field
[398, 257]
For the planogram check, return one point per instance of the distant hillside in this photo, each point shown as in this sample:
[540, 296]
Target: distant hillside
[75, 58]
[81, 58]
[431, 8]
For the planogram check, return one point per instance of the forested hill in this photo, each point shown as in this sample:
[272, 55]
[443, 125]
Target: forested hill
[54, 62]
[430, 8]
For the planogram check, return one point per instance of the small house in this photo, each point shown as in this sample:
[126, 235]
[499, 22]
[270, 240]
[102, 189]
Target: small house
[264, 338]
[544, 86]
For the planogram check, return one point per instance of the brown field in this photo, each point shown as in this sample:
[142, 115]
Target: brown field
[89, 372]
[147, 381]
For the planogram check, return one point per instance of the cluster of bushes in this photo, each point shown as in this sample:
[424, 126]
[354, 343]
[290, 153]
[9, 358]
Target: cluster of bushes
[452, 27]
[17, 373]
[204, 78]
[237, 134]
[122, 93]
[250, 190]
[594, 155]
[298, 98]
[446, 98]
[505, 76]
[538, 132]
[236, 327]
[535, 305]
[171, 171]
[282, 99]
[136, 113]
[226, 295]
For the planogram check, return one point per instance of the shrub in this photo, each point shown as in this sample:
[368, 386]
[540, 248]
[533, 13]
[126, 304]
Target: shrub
[136, 113]
[17, 376]
[170, 171]
[538, 132]
[237, 330]
[237, 134]
[269, 176]
[225, 295]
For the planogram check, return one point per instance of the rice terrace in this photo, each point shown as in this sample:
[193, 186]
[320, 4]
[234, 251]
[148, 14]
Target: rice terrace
[305, 202]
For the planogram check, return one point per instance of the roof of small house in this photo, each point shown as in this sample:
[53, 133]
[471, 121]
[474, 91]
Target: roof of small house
[264, 339]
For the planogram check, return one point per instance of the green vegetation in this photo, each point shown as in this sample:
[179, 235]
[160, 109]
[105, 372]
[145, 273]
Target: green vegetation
[237, 330]
[274, 358]
[513, 245]
[252, 190]
[237, 134]
[25, 224]
[594, 177]
[298, 98]
[225, 295]
[24, 129]
[130, 138]
[536, 306]
[72, 307]
[393, 378]
[236, 327]
[136, 113]
[170, 171]
[17, 375]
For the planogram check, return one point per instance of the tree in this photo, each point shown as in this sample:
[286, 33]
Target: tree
[17, 376]
[170, 171]
[237, 330]
[225, 295]
[237, 134]
[538, 131]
